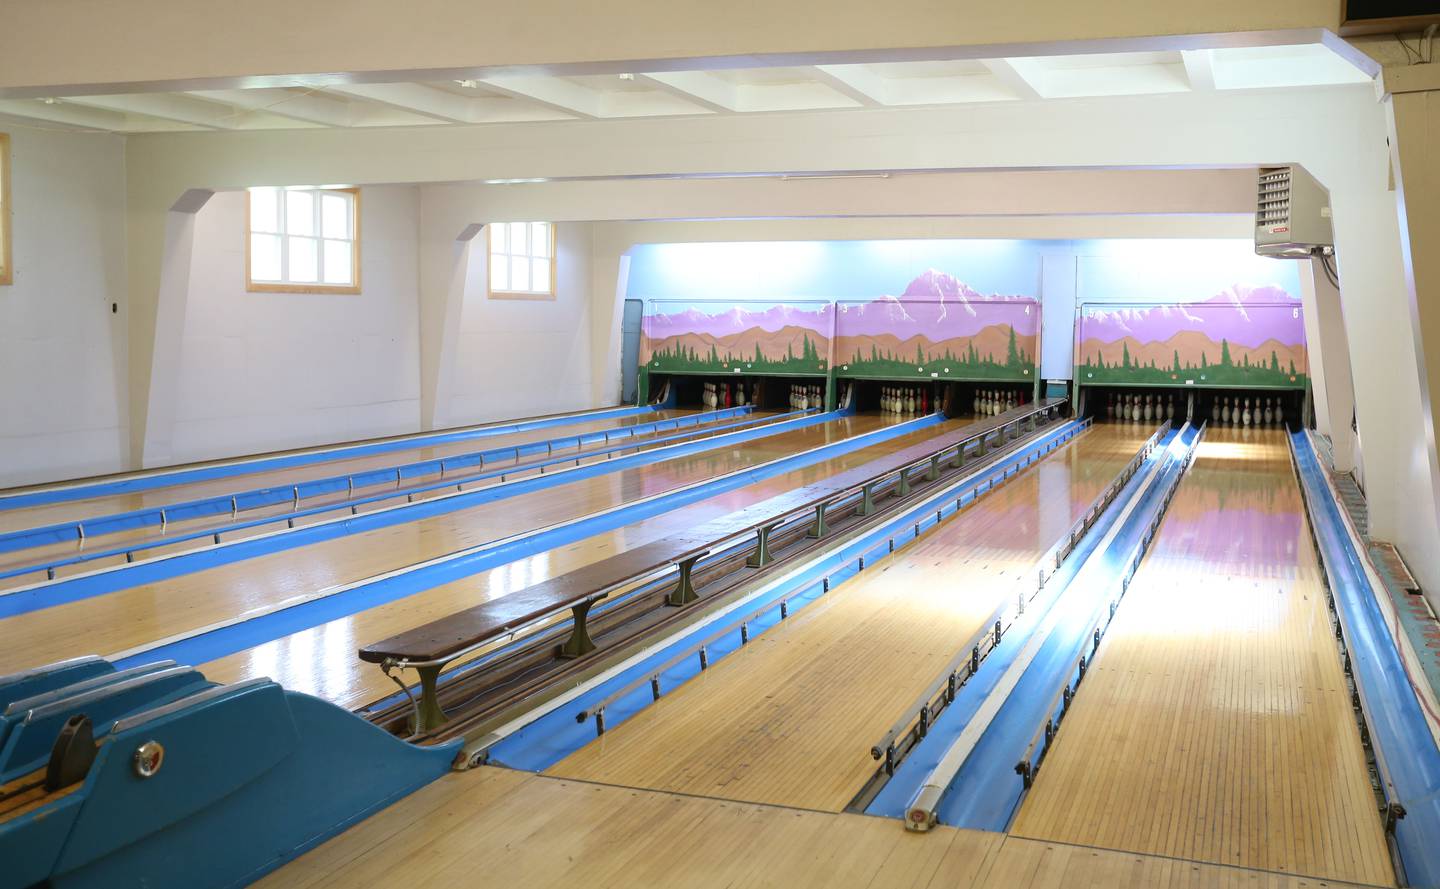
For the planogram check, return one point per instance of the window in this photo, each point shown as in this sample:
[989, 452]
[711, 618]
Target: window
[303, 240]
[7, 274]
[522, 260]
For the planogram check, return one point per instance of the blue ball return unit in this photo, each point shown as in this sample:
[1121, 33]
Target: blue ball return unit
[154, 776]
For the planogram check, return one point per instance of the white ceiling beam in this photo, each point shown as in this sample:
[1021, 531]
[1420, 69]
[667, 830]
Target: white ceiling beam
[166, 106]
[69, 115]
[284, 103]
[415, 98]
[699, 87]
[856, 81]
[1199, 68]
[552, 92]
[1013, 77]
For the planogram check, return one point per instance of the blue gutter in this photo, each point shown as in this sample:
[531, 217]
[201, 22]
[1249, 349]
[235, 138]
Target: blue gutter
[84, 586]
[165, 479]
[986, 791]
[1405, 751]
[208, 645]
[555, 734]
[259, 498]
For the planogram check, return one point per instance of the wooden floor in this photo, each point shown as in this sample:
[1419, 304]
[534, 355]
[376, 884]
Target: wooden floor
[495, 827]
[1215, 724]
[322, 660]
[789, 719]
[56, 513]
[119, 621]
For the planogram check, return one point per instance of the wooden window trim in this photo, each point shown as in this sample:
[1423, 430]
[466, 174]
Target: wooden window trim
[534, 295]
[7, 216]
[252, 286]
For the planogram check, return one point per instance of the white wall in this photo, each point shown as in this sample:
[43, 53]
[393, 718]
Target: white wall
[63, 390]
[265, 371]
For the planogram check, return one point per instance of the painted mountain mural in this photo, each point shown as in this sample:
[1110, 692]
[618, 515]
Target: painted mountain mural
[1243, 336]
[710, 337]
[939, 326]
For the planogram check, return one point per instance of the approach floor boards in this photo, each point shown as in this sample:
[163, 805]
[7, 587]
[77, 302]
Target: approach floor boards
[789, 719]
[496, 827]
[144, 614]
[1215, 723]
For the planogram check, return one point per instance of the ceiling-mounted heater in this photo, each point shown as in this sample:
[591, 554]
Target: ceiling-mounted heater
[1292, 214]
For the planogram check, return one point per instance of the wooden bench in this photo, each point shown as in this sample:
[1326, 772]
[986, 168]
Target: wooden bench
[429, 648]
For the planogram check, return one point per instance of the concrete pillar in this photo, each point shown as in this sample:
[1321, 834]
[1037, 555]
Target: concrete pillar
[1329, 360]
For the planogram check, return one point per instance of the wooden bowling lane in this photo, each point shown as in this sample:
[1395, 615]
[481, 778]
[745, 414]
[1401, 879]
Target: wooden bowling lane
[1215, 723]
[789, 719]
[125, 619]
[56, 513]
[539, 832]
[39, 557]
[322, 660]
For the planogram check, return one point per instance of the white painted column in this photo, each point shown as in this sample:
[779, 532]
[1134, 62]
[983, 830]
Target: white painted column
[1329, 360]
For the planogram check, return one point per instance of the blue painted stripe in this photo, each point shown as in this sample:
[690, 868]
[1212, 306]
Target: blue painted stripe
[224, 641]
[987, 788]
[283, 461]
[555, 735]
[258, 498]
[99, 583]
[1398, 730]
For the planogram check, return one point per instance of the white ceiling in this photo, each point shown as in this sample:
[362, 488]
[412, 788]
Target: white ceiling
[516, 98]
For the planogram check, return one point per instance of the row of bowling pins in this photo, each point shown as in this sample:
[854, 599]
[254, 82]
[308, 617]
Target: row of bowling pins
[1136, 407]
[904, 400]
[989, 402]
[726, 395]
[1267, 411]
[805, 397]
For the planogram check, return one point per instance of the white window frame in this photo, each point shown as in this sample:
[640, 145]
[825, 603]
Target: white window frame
[284, 284]
[498, 261]
[7, 263]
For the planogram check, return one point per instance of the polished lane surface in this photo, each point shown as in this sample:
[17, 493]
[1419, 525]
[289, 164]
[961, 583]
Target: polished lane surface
[1215, 722]
[789, 719]
[125, 619]
[323, 662]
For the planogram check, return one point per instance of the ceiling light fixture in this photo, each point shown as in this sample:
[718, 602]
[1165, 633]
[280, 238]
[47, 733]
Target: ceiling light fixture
[627, 76]
[469, 84]
[796, 176]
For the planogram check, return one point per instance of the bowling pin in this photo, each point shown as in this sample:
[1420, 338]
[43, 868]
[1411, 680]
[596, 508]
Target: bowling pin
[1245, 417]
[1225, 411]
[1170, 408]
[1269, 413]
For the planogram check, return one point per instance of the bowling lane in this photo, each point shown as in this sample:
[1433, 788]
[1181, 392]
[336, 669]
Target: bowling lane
[322, 660]
[125, 619]
[1215, 724]
[38, 558]
[56, 513]
[789, 719]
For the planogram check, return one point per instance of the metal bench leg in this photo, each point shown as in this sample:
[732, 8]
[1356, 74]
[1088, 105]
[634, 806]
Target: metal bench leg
[579, 642]
[903, 488]
[761, 556]
[819, 529]
[867, 499]
[684, 592]
[430, 714]
[934, 471]
[959, 460]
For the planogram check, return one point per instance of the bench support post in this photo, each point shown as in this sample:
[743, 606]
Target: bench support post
[934, 471]
[684, 592]
[867, 499]
[579, 642]
[761, 556]
[429, 714]
[819, 529]
[959, 460]
[903, 488]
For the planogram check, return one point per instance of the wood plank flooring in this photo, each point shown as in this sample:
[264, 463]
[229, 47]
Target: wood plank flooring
[496, 827]
[124, 619]
[789, 719]
[1215, 724]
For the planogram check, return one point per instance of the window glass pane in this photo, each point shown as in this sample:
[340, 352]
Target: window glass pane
[299, 213]
[499, 274]
[337, 262]
[497, 239]
[517, 238]
[304, 256]
[265, 257]
[540, 275]
[264, 210]
[539, 239]
[335, 215]
[519, 273]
